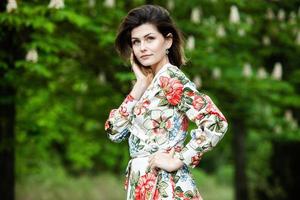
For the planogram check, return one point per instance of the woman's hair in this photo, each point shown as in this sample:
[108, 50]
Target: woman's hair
[160, 18]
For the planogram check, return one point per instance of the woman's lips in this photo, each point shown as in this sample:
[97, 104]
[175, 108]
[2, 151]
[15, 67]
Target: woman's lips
[145, 56]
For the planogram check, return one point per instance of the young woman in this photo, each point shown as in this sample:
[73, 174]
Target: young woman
[155, 115]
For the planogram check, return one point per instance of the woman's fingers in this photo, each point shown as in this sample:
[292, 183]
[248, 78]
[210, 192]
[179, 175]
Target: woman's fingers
[136, 69]
[172, 152]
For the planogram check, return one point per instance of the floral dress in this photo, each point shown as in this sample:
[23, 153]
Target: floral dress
[158, 121]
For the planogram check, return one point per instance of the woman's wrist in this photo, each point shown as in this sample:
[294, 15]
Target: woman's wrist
[138, 90]
[177, 164]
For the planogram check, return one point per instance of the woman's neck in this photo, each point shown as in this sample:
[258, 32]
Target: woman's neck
[156, 67]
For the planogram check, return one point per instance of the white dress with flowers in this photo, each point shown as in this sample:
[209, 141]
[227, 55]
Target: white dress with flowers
[159, 122]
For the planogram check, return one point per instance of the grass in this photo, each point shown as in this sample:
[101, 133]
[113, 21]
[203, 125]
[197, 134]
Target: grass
[103, 187]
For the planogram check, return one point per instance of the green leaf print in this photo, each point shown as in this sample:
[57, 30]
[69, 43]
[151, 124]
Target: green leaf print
[183, 80]
[162, 189]
[163, 102]
[147, 113]
[183, 107]
[163, 184]
[187, 90]
[189, 194]
[171, 73]
[178, 189]
[135, 178]
[176, 178]
[188, 100]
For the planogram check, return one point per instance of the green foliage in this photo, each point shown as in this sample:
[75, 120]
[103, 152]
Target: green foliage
[64, 98]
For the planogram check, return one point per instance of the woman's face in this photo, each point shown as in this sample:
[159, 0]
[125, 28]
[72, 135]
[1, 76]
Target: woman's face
[149, 45]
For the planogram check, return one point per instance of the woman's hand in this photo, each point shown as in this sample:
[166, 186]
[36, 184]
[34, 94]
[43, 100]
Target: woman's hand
[165, 161]
[143, 79]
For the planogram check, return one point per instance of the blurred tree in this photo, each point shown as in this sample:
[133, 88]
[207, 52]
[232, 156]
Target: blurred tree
[60, 77]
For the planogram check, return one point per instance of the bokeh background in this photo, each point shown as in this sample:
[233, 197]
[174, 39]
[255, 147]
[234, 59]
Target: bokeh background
[60, 77]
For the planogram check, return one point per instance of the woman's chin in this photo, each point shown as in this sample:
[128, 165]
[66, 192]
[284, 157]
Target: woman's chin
[146, 64]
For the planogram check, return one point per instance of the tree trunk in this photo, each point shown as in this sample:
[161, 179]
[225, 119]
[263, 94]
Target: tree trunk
[7, 153]
[7, 121]
[240, 178]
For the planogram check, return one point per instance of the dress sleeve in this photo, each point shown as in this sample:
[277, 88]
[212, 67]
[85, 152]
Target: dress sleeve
[119, 120]
[200, 109]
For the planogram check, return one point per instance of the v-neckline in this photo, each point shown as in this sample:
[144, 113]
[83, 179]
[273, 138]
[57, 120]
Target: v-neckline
[165, 66]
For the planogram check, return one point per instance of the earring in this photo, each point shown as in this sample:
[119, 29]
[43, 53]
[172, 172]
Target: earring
[167, 51]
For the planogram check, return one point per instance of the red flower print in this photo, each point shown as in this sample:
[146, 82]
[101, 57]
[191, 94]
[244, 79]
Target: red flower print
[196, 159]
[145, 187]
[126, 183]
[156, 195]
[173, 89]
[199, 116]
[190, 93]
[106, 125]
[185, 124]
[129, 98]
[198, 102]
[160, 121]
[213, 110]
[112, 113]
[123, 111]
[178, 148]
[141, 107]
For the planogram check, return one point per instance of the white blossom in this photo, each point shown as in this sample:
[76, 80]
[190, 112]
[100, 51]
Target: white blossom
[170, 4]
[277, 71]
[234, 15]
[292, 18]
[190, 44]
[261, 73]
[288, 115]
[278, 129]
[196, 15]
[247, 70]
[281, 15]
[197, 80]
[221, 31]
[266, 40]
[270, 14]
[109, 3]
[101, 78]
[92, 3]
[216, 73]
[241, 32]
[249, 20]
[11, 6]
[56, 4]
[32, 56]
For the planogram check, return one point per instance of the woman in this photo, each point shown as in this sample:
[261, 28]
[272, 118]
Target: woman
[155, 115]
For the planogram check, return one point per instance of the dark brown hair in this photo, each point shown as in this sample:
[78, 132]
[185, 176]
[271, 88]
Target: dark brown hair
[160, 18]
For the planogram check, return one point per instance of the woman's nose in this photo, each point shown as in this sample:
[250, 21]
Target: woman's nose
[143, 46]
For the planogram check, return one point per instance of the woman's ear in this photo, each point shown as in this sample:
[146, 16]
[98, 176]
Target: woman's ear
[169, 40]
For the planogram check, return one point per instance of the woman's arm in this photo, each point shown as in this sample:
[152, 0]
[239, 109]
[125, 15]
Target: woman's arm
[119, 119]
[199, 108]
[181, 93]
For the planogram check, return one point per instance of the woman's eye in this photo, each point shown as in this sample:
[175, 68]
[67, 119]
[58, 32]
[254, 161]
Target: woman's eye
[135, 42]
[150, 38]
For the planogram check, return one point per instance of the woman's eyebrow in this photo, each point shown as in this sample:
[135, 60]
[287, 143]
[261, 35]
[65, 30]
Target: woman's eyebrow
[144, 36]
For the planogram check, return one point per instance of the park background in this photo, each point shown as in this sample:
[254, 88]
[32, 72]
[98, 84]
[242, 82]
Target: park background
[60, 77]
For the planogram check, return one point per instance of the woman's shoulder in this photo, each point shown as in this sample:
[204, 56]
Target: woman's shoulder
[174, 75]
[173, 71]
